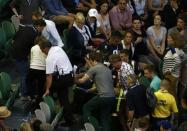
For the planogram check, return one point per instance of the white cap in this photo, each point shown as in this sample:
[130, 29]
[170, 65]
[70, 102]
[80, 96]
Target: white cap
[93, 13]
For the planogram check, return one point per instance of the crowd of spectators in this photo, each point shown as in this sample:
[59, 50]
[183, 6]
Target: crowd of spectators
[111, 45]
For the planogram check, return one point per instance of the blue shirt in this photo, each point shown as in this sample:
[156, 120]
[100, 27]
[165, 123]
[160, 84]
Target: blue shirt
[155, 83]
[55, 7]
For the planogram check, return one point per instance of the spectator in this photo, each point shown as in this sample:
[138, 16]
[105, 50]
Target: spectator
[47, 28]
[124, 69]
[156, 36]
[95, 27]
[120, 16]
[26, 7]
[79, 40]
[166, 105]
[22, 43]
[103, 18]
[139, 39]
[170, 13]
[154, 8]
[128, 44]
[102, 77]
[58, 71]
[4, 113]
[35, 124]
[113, 46]
[45, 127]
[179, 32]
[149, 72]
[55, 11]
[136, 109]
[140, 8]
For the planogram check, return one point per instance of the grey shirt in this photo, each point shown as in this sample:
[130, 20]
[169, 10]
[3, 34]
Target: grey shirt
[102, 77]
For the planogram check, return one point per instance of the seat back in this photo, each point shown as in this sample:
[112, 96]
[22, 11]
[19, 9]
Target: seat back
[8, 29]
[5, 84]
[40, 115]
[89, 127]
[50, 102]
[2, 38]
[45, 108]
[94, 122]
[15, 21]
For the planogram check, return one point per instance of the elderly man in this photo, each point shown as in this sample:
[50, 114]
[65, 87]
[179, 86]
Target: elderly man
[58, 75]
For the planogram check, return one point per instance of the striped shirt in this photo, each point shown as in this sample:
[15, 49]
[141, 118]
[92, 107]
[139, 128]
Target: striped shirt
[172, 62]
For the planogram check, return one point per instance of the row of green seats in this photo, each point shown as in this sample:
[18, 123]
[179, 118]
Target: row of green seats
[7, 32]
[8, 91]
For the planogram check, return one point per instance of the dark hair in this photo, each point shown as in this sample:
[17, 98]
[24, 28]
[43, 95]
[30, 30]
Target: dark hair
[125, 51]
[183, 17]
[36, 124]
[37, 14]
[114, 58]
[96, 56]
[136, 18]
[39, 22]
[100, 3]
[116, 34]
[43, 42]
[143, 122]
[150, 68]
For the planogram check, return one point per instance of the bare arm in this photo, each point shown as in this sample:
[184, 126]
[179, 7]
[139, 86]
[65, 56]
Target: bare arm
[48, 84]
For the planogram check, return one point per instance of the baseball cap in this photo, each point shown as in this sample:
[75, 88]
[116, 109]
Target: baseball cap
[93, 13]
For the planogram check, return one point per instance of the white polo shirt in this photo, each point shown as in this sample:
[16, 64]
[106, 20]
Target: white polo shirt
[57, 58]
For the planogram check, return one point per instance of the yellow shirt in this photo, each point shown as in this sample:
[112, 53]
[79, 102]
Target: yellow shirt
[166, 104]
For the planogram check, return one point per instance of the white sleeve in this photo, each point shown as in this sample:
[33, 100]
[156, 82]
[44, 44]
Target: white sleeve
[50, 66]
[55, 34]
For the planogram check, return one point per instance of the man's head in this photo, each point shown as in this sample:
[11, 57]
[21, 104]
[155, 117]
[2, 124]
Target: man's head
[44, 44]
[165, 84]
[95, 57]
[143, 123]
[149, 71]
[115, 38]
[124, 55]
[39, 24]
[115, 61]
[136, 23]
[122, 4]
[131, 80]
[181, 21]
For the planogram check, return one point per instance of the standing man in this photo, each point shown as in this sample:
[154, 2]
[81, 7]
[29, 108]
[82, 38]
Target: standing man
[26, 7]
[47, 28]
[58, 75]
[102, 77]
[21, 46]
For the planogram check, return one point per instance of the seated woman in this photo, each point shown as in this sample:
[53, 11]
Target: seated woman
[79, 38]
[103, 18]
[128, 44]
[156, 37]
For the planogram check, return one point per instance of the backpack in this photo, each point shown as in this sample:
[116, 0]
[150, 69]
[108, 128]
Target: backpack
[151, 98]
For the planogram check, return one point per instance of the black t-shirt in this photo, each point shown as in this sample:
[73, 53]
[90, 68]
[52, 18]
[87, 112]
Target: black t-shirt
[136, 100]
[140, 48]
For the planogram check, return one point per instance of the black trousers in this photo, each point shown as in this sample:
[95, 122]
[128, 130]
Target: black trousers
[62, 86]
[35, 82]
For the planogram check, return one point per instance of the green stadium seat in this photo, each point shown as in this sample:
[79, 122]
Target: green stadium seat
[8, 29]
[50, 102]
[94, 122]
